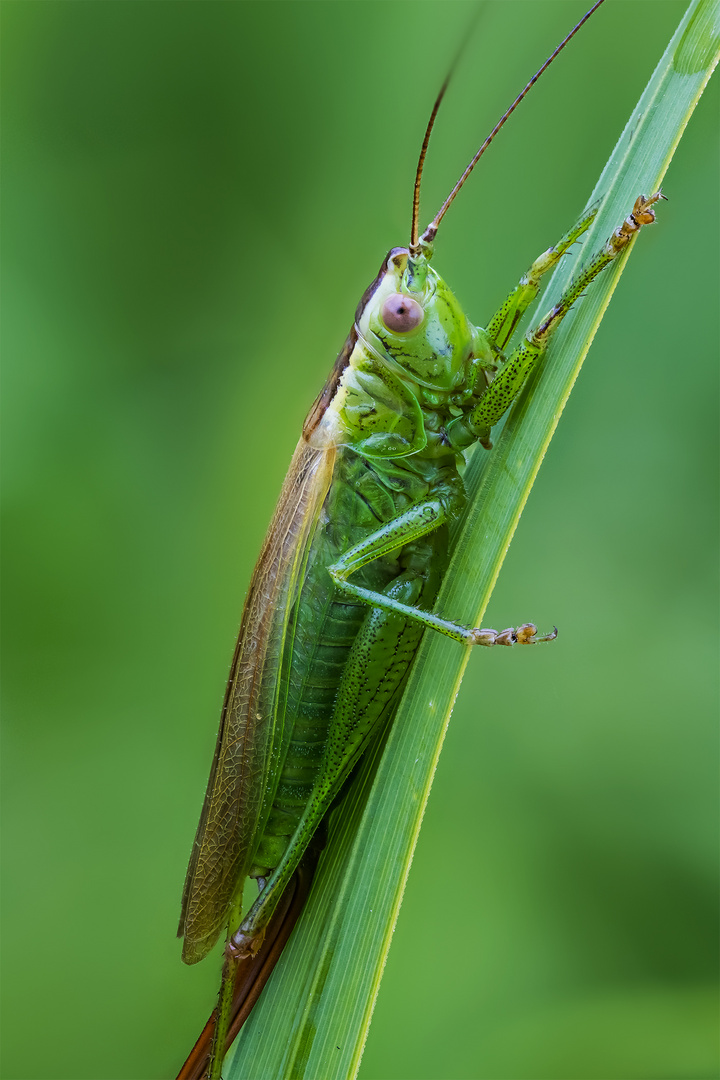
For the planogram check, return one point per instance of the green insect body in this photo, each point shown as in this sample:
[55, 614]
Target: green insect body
[348, 575]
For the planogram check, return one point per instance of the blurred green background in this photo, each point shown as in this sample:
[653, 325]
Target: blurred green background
[195, 196]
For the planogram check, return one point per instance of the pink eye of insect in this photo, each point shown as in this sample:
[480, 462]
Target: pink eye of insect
[401, 313]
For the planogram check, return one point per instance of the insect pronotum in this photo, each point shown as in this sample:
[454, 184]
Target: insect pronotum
[346, 580]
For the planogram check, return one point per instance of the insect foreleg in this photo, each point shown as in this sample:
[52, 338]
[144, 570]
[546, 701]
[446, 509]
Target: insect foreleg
[512, 375]
[642, 214]
[503, 323]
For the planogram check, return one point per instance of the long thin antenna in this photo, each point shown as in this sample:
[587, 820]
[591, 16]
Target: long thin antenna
[429, 234]
[421, 162]
[470, 30]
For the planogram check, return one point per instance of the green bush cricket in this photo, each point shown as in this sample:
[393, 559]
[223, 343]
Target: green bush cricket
[347, 578]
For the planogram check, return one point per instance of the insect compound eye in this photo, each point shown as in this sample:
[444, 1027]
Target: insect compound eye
[401, 313]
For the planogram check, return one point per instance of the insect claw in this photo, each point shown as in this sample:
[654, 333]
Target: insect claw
[528, 635]
[524, 635]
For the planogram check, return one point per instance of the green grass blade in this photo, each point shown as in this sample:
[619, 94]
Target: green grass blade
[313, 1017]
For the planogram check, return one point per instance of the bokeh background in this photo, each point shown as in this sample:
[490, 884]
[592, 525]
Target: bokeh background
[195, 196]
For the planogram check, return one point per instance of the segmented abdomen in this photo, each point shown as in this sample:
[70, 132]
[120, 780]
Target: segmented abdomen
[326, 626]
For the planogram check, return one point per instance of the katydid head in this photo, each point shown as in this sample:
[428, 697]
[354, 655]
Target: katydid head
[414, 324]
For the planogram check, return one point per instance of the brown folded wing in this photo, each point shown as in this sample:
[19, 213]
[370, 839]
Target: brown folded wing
[252, 721]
